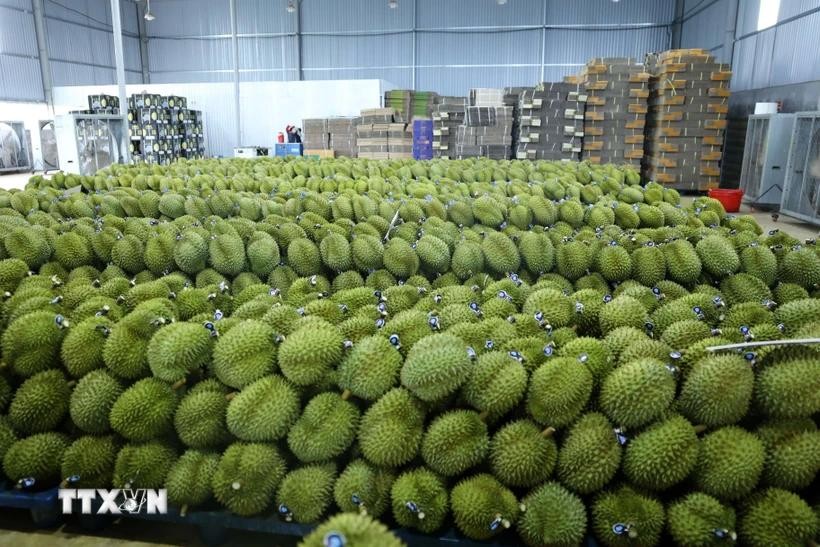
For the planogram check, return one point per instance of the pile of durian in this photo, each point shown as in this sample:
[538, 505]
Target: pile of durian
[490, 345]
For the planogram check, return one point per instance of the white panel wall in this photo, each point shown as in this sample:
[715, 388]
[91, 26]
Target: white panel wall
[267, 107]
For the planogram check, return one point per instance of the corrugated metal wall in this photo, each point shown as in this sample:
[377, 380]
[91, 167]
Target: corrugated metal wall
[780, 55]
[444, 45]
[80, 44]
[20, 78]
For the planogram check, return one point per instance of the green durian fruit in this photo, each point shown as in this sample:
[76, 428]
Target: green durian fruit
[552, 516]
[637, 393]
[802, 267]
[92, 399]
[400, 259]
[32, 342]
[336, 253]
[730, 463]
[592, 352]
[500, 253]
[717, 390]
[89, 462]
[662, 455]
[304, 257]
[7, 436]
[455, 442]
[590, 454]
[245, 354]
[622, 311]
[550, 307]
[433, 253]
[371, 367]
[127, 253]
[200, 418]
[82, 347]
[648, 265]
[40, 403]
[159, 253]
[391, 430]
[351, 529]
[573, 259]
[145, 410]
[367, 252]
[191, 252]
[559, 391]
[743, 287]
[247, 477]
[178, 350]
[363, 488]
[537, 252]
[760, 262]
[682, 334]
[326, 428]
[497, 383]
[792, 452]
[263, 254]
[521, 454]
[264, 410]
[795, 313]
[73, 250]
[718, 256]
[28, 245]
[789, 388]
[305, 493]
[419, 500]
[189, 479]
[468, 259]
[699, 520]
[777, 517]
[625, 518]
[226, 254]
[309, 353]
[483, 507]
[38, 457]
[614, 263]
[436, 366]
[12, 272]
[683, 264]
[143, 465]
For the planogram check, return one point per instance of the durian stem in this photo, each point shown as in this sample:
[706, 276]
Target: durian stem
[178, 384]
[548, 432]
[699, 428]
[183, 511]
[71, 383]
[231, 395]
[346, 394]
[483, 416]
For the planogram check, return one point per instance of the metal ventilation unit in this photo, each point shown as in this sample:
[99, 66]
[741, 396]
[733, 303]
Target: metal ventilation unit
[801, 192]
[764, 159]
[48, 146]
[14, 155]
[89, 142]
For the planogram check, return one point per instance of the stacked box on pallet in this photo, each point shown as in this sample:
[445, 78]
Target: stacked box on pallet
[421, 106]
[487, 132]
[512, 97]
[371, 134]
[447, 116]
[399, 100]
[343, 136]
[422, 139]
[617, 92]
[552, 122]
[161, 128]
[400, 141]
[688, 104]
[315, 135]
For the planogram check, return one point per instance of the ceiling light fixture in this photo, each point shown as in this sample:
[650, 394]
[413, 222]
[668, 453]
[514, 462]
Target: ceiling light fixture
[291, 6]
[148, 15]
[393, 4]
[502, 2]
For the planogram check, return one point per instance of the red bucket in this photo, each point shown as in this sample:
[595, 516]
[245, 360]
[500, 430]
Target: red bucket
[730, 198]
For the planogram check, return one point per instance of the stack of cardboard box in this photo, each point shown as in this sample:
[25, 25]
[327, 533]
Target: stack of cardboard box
[617, 92]
[447, 116]
[315, 135]
[689, 102]
[551, 122]
[487, 132]
[343, 136]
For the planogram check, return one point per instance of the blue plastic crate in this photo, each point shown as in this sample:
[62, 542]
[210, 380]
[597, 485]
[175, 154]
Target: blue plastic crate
[288, 149]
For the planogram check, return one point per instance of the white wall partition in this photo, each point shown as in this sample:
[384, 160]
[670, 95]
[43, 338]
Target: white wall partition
[266, 107]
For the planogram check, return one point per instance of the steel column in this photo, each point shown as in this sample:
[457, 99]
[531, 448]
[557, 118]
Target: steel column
[235, 46]
[119, 62]
[42, 51]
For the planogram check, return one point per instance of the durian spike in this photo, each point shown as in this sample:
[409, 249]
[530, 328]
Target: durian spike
[548, 432]
[178, 384]
[71, 383]
[700, 428]
[231, 395]
[757, 344]
[183, 511]
[484, 415]
[346, 394]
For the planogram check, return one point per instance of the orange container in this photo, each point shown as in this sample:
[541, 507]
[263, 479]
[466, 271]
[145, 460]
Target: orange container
[730, 198]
